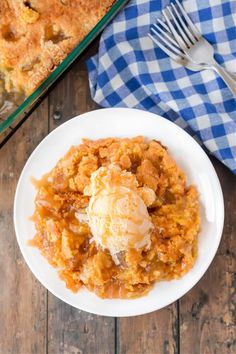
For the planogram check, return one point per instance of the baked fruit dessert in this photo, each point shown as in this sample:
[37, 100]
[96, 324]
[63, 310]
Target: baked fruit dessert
[117, 216]
[35, 36]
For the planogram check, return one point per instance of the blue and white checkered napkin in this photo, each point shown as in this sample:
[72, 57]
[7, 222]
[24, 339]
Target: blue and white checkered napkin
[130, 71]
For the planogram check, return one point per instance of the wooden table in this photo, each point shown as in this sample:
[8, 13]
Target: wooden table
[34, 321]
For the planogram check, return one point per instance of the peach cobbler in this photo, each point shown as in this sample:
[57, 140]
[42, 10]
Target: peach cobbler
[35, 36]
[116, 216]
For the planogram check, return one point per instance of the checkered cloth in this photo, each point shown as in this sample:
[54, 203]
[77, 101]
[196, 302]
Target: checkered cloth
[130, 71]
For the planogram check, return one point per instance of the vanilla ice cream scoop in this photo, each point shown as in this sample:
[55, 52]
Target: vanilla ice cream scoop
[117, 213]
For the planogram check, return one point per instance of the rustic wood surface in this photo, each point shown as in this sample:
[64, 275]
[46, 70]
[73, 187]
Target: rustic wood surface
[35, 322]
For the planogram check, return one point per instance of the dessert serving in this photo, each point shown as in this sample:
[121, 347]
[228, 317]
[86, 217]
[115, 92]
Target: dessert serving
[116, 215]
[35, 36]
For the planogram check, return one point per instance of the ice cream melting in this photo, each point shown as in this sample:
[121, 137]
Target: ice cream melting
[117, 213]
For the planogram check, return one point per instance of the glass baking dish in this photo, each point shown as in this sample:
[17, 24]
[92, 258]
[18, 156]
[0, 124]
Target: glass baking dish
[12, 115]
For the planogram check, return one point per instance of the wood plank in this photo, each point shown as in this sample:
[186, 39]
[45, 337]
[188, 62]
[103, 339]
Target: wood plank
[71, 95]
[71, 331]
[23, 300]
[155, 333]
[208, 312]
[70, 98]
[4, 134]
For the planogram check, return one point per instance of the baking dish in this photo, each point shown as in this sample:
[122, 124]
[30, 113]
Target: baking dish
[13, 114]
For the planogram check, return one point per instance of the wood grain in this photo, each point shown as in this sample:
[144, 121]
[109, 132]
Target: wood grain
[155, 333]
[71, 95]
[209, 310]
[71, 331]
[22, 299]
[70, 98]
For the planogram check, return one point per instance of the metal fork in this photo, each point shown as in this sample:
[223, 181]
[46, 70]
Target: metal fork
[181, 40]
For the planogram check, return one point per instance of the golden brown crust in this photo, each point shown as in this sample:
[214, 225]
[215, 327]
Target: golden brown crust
[35, 36]
[64, 237]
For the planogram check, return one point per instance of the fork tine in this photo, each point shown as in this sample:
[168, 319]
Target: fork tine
[167, 34]
[184, 25]
[173, 48]
[177, 37]
[179, 27]
[165, 49]
[194, 29]
[163, 24]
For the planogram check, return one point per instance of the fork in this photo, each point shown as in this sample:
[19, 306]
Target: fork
[179, 38]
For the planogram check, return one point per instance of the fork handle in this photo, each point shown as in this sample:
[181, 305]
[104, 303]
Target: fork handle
[230, 82]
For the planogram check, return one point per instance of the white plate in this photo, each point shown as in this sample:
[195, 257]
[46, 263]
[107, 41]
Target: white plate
[122, 122]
